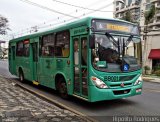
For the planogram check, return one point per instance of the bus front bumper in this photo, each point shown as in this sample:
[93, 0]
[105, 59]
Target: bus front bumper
[97, 94]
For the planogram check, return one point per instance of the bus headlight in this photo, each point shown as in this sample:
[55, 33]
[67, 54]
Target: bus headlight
[139, 80]
[99, 83]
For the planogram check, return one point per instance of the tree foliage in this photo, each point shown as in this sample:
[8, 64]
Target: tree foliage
[3, 25]
[149, 15]
[128, 16]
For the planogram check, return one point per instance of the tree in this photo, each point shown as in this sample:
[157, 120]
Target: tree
[149, 16]
[3, 25]
[127, 16]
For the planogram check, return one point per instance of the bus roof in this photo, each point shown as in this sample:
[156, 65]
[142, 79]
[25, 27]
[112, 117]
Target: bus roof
[81, 22]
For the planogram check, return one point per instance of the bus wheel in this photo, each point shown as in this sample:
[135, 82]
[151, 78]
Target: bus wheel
[62, 88]
[21, 76]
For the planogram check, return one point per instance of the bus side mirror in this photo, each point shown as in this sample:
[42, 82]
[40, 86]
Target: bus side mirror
[92, 41]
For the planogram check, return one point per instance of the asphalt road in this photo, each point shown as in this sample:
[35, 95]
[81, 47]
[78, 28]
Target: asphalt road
[147, 104]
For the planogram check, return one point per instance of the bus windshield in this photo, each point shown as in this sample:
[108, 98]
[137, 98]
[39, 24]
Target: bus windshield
[117, 49]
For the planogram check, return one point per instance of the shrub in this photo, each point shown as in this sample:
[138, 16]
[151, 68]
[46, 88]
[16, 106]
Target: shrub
[146, 67]
[157, 72]
[157, 68]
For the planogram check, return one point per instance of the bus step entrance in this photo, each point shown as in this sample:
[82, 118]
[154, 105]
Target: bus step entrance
[35, 82]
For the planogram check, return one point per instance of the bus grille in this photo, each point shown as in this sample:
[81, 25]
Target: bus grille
[119, 92]
[119, 85]
[127, 78]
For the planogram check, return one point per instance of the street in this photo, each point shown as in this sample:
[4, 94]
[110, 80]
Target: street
[146, 104]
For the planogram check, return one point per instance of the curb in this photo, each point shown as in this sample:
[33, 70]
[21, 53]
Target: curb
[151, 80]
[79, 114]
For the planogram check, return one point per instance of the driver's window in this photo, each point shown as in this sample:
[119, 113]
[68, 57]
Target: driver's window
[130, 49]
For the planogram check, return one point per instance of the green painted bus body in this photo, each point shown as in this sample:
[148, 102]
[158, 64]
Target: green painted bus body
[46, 69]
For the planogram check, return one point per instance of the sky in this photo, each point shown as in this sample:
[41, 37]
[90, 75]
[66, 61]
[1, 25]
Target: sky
[45, 14]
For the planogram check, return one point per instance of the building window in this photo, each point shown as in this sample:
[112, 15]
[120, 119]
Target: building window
[47, 48]
[129, 2]
[117, 3]
[122, 6]
[137, 10]
[147, 1]
[62, 44]
[148, 6]
[117, 9]
[116, 15]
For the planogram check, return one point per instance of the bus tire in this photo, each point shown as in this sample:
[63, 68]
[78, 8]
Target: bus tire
[21, 76]
[62, 88]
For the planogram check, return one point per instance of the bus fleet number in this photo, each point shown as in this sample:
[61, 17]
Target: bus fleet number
[112, 78]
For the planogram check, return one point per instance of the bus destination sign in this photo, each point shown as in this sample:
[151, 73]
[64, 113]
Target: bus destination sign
[115, 26]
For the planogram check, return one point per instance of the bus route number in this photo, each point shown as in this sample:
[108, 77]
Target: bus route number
[112, 78]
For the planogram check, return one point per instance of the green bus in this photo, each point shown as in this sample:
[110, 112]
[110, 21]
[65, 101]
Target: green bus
[93, 59]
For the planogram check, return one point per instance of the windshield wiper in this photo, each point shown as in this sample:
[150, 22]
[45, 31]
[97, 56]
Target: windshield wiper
[129, 40]
[113, 40]
[118, 42]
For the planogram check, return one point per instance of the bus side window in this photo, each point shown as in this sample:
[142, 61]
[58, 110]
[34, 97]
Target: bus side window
[65, 51]
[58, 51]
[62, 44]
[47, 48]
[26, 48]
[19, 50]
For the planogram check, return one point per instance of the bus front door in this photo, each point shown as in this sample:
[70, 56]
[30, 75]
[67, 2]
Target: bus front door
[80, 66]
[34, 52]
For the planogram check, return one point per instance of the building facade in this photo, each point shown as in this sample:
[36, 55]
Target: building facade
[150, 37]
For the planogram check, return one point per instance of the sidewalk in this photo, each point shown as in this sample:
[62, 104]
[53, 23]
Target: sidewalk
[18, 105]
[151, 78]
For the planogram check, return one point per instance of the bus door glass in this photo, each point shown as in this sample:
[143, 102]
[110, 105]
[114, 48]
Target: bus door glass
[80, 66]
[34, 59]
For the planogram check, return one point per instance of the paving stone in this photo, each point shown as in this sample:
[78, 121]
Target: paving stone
[66, 111]
[24, 118]
[17, 113]
[68, 118]
[56, 119]
[40, 116]
[62, 115]
[51, 115]
[72, 114]
[43, 120]
[36, 113]
[33, 110]
[18, 105]
[47, 112]
[10, 119]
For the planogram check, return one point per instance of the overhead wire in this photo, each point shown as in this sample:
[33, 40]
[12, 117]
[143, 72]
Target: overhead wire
[81, 15]
[46, 8]
[72, 17]
[76, 11]
[98, 8]
[78, 6]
